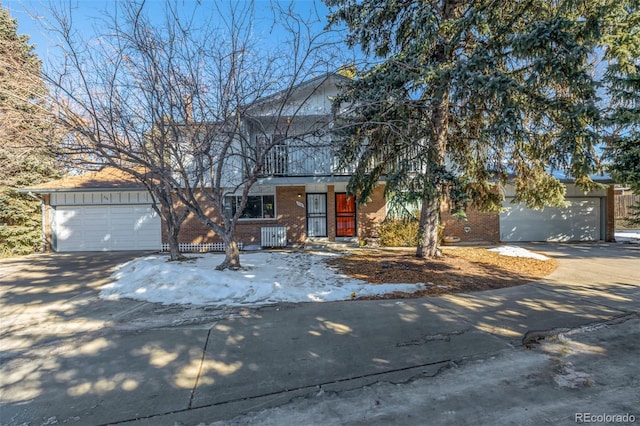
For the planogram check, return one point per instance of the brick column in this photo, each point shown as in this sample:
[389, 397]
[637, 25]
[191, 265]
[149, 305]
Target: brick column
[369, 216]
[611, 215]
[290, 213]
[331, 212]
[46, 221]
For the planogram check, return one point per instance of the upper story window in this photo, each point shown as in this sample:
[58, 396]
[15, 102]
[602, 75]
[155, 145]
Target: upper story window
[258, 206]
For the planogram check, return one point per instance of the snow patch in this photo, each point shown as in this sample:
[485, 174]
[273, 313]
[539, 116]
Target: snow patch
[628, 236]
[515, 251]
[265, 278]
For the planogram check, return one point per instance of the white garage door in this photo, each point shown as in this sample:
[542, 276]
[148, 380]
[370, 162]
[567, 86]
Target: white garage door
[104, 228]
[580, 221]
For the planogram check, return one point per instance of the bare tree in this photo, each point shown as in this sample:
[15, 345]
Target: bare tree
[171, 103]
[259, 95]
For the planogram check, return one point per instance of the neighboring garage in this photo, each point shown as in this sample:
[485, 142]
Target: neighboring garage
[104, 221]
[582, 219]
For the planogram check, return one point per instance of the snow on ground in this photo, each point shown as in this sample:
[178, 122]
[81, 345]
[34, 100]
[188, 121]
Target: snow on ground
[265, 278]
[628, 236]
[516, 251]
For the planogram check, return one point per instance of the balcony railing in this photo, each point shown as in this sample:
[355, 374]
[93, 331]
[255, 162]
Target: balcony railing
[296, 159]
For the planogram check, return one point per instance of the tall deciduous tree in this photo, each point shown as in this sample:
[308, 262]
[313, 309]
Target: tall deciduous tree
[170, 102]
[26, 136]
[473, 94]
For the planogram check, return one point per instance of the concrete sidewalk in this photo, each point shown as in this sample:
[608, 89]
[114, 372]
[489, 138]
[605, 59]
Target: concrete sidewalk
[211, 369]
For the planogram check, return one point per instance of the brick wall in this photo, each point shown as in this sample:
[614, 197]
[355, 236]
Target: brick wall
[46, 221]
[248, 231]
[289, 214]
[331, 212]
[193, 230]
[481, 227]
[371, 215]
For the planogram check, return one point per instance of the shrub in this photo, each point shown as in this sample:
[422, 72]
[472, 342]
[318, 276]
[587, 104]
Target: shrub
[399, 233]
[402, 233]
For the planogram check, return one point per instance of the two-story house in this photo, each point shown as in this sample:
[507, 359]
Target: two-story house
[301, 195]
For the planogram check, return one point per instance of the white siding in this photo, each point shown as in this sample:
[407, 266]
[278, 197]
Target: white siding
[100, 197]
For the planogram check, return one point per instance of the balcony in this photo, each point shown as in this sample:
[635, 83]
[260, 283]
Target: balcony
[293, 158]
[299, 159]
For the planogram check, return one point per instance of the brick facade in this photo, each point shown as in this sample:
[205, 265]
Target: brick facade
[331, 212]
[371, 215]
[290, 214]
[479, 227]
[193, 230]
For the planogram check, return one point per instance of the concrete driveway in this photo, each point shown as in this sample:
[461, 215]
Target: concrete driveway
[69, 357]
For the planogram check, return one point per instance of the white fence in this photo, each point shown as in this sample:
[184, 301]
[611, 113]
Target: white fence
[199, 248]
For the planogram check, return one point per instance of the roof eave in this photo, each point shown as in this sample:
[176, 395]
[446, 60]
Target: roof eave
[52, 190]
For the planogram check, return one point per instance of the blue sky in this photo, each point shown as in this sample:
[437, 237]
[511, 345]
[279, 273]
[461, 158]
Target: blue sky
[32, 16]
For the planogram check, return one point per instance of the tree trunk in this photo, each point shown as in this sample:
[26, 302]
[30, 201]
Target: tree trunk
[439, 129]
[174, 245]
[430, 212]
[428, 229]
[232, 254]
[173, 230]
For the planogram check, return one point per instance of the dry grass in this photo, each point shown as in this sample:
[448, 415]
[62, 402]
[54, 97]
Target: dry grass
[458, 270]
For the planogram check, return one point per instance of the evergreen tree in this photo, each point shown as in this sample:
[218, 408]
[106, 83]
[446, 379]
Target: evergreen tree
[465, 96]
[623, 84]
[25, 137]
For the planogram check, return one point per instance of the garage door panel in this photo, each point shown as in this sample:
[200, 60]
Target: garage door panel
[145, 219]
[104, 228]
[580, 221]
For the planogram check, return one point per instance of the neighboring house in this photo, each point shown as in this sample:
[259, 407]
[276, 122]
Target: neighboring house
[302, 196]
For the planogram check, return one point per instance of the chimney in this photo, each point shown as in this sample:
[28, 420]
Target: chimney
[188, 109]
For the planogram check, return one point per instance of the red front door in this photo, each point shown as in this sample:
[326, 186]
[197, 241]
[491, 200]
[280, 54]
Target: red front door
[345, 216]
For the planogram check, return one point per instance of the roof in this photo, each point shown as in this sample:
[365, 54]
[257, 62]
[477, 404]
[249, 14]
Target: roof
[107, 178]
[312, 84]
[564, 177]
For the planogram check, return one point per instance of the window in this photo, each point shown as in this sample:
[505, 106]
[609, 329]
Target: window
[258, 206]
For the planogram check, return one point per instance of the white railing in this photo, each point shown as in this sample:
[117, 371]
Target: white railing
[294, 158]
[297, 159]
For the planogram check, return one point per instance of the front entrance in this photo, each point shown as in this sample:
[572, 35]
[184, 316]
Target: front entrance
[345, 215]
[316, 215]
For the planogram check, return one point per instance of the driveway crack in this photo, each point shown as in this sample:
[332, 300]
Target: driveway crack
[445, 337]
[195, 385]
